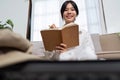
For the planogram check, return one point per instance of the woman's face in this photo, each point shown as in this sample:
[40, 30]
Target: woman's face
[69, 14]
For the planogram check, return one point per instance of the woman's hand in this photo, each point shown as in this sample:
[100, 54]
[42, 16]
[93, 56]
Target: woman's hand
[52, 26]
[61, 48]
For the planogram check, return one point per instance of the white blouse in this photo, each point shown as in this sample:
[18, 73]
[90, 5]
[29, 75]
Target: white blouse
[85, 50]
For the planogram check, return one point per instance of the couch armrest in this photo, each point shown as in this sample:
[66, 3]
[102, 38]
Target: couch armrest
[109, 54]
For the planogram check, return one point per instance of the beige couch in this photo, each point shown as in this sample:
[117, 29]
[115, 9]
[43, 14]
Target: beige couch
[107, 46]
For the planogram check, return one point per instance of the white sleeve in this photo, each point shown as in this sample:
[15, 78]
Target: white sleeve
[85, 51]
[68, 55]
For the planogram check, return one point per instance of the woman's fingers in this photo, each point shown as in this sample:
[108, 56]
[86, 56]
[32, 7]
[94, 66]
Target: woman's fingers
[52, 26]
[62, 47]
[59, 48]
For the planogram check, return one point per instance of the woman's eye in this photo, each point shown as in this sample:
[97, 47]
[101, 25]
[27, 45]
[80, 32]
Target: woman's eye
[66, 9]
[72, 9]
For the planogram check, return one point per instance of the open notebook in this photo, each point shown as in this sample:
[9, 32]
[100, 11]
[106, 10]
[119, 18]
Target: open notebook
[68, 34]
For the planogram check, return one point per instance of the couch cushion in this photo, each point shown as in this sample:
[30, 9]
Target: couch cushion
[109, 55]
[96, 42]
[110, 42]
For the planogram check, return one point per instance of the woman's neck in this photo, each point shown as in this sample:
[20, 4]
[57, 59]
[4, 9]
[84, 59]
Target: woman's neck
[68, 23]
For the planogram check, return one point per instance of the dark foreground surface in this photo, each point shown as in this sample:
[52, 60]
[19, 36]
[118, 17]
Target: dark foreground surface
[62, 70]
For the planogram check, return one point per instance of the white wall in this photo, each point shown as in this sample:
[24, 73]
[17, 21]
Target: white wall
[17, 11]
[112, 15]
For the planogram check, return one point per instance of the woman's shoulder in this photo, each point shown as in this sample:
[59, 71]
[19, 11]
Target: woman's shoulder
[84, 35]
[83, 31]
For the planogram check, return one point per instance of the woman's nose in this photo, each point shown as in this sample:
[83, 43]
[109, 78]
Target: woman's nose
[69, 11]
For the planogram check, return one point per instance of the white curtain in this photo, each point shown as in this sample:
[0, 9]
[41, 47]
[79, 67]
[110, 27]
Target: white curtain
[47, 12]
[93, 16]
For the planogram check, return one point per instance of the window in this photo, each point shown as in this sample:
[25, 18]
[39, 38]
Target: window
[47, 12]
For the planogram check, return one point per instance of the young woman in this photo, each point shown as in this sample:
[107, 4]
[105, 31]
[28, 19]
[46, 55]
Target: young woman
[85, 51]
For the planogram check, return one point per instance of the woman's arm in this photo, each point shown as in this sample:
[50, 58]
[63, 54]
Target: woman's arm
[85, 51]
